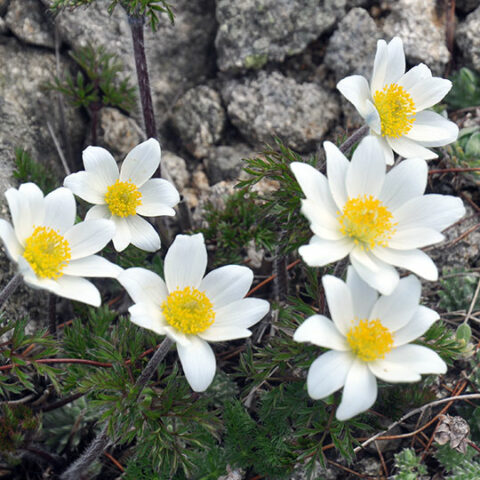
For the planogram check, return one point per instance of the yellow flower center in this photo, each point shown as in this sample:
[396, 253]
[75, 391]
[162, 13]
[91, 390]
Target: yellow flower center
[188, 310]
[47, 252]
[367, 221]
[123, 198]
[370, 340]
[396, 109]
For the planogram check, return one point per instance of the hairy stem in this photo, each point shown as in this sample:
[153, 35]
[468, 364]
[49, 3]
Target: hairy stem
[52, 314]
[356, 136]
[10, 287]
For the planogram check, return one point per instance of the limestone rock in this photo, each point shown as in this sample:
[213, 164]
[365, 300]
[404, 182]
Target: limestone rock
[468, 38]
[269, 105]
[174, 169]
[3, 26]
[3, 6]
[226, 162]
[254, 32]
[199, 119]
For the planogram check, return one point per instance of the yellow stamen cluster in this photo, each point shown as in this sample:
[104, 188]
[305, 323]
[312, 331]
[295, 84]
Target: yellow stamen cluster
[396, 109]
[47, 252]
[367, 221]
[123, 198]
[189, 311]
[370, 340]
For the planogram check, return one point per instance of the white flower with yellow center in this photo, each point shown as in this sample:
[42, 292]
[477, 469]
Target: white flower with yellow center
[380, 219]
[369, 337]
[192, 309]
[394, 104]
[122, 196]
[51, 252]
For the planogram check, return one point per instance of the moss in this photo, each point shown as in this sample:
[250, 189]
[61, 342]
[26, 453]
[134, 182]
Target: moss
[256, 61]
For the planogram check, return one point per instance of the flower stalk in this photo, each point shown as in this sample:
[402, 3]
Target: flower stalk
[356, 136]
[10, 287]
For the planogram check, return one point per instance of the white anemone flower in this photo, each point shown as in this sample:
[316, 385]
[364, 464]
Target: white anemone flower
[369, 337]
[394, 104]
[193, 309]
[380, 219]
[122, 196]
[51, 252]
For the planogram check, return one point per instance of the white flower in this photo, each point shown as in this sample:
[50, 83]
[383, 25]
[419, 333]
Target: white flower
[369, 337]
[192, 309]
[124, 196]
[394, 104]
[51, 252]
[379, 219]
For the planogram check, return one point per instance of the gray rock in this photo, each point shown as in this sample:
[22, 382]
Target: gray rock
[422, 30]
[199, 119]
[3, 6]
[226, 162]
[466, 6]
[269, 105]
[174, 169]
[468, 38]
[3, 26]
[254, 32]
[352, 47]
[27, 21]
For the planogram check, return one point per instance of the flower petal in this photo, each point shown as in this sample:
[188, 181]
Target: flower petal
[77, 288]
[379, 67]
[428, 92]
[327, 373]
[221, 333]
[60, 210]
[320, 252]
[322, 223]
[101, 166]
[158, 196]
[387, 149]
[414, 76]
[356, 90]
[243, 313]
[337, 167]
[86, 185]
[12, 246]
[143, 286]
[198, 362]
[177, 336]
[405, 181]
[366, 172]
[89, 237]
[185, 262]
[359, 392]
[432, 130]
[122, 235]
[141, 162]
[340, 303]
[147, 316]
[393, 372]
[321, 331]
[363, 296]
[421, 321]
[98, 211]
[410, 238]
[408, 148]
[226, 284]
[414, 260]
[418, 358]
[92, 266]
[397, 309]
[143, 235]
[396, 61]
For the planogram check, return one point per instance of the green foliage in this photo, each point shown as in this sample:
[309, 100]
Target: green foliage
[17, 424]
[456, 291]
[28, 170]
[465, 152]
[409, 465]
[465, 91]
[459, 466]
[96, 84]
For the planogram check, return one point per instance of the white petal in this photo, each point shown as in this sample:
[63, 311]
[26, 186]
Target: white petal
[337, 167]
[379, 275]
[363, 296]
[143, 286]
[60, 210]
[418, 358]
[366, 172]
[221, 333]
[417, 237]
[158, 198]
[405, 181]
[79, 289]
[198, 362]
[226, 284]
[359, 392]
[414, 76]
[177, 336]
[315, 187]
[147, 316]
[92, 266]
[320, 252]
[428, 92]
[327, 373]
[12, 247]
[387, 149]
[185, 262]
[414, 260]
[141, 163]
[322, 223]
[122, 236]
[89, 237]
[421, 321]
[85, 185]
[340, 303]
[430, 211]
[408, 148]
[320, 331]
[432, 130]
[97, 212]
[393, 372]
[356, 90]
[379, 67]
[143, 235]
[101, 166]
[396, 61]
[242, 313]
[397, 309]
